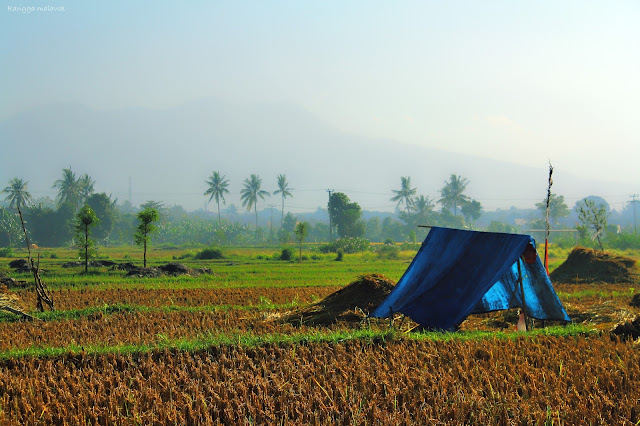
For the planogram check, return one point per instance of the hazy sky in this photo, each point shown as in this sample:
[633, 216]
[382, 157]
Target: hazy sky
[522, 81]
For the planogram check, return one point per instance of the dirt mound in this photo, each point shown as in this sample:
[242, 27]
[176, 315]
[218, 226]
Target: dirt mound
[628, 329]
[350, 304]
[20, 265]
[585, 266]
[92, 264]
[170, 269]
[9, 282]
[126, 266]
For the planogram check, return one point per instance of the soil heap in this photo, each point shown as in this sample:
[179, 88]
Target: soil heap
[350, 304]
[170, 269]
[20, 265]
[586, 266]
[9, 282]
[628, 329]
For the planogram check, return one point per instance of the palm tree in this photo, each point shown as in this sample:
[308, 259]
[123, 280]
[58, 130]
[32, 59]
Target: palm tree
[86, 187]
[17, 192]
[283, 188]
[217, 188]
[69, 190]
[452, 193]
[251, 192]
[405, 193]
[422, 206]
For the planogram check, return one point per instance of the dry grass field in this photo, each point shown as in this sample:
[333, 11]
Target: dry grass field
[214, 348]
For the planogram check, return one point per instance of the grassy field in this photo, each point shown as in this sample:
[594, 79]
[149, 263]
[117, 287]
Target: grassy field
[212, 348]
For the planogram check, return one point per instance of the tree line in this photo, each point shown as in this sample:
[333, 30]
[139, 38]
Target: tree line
[54, 223]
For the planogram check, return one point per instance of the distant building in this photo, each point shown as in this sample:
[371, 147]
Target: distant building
[521, 222]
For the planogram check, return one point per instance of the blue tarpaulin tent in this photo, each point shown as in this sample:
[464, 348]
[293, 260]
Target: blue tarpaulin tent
[457, 273]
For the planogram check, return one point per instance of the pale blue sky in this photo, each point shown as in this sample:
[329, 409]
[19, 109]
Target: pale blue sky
[521, 81]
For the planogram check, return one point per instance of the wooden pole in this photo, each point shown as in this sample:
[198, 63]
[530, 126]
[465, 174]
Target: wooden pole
[42, 292]
[19, 312]
[524, 305]
[546, 237]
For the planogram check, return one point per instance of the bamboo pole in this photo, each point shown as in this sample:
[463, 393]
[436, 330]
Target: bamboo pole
[19, 312]
[524, 305]
[42, 292]
[546, 236]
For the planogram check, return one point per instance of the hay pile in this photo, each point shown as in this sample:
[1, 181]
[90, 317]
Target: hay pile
[586, 266]
[350, 304]
[9, 301]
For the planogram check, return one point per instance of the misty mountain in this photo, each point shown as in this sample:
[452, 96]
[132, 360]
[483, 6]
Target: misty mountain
[168, 154]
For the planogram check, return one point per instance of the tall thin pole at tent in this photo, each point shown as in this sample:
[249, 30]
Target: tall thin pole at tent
[520, 280]
[546, 236]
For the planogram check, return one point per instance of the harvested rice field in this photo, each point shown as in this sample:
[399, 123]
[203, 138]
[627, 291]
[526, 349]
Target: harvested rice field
[255, 342]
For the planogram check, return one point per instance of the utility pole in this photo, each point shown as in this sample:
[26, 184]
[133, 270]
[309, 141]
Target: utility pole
[329, 211]
[634, 211]
[271, 206]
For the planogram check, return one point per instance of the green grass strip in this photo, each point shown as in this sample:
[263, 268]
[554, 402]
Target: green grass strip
[249, 340]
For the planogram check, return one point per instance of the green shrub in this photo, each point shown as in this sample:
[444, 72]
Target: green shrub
[339, 255]
[410, 247]
[6, 252]
[623, 241]
[209, 254]
[348, 245]
[287, 254]
[187, 255]
[389, 241]
[567, 242]
[388, 252]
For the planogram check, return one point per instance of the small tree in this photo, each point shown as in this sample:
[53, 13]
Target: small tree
[10, 232]
[592, 217]
[471, 210]
[142, 236]
[345, 215]
[105, 209]
[85, 220]
[557, 207]
[302, 230]
[289, 223]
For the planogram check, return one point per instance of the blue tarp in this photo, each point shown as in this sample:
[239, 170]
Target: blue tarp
[457, 273]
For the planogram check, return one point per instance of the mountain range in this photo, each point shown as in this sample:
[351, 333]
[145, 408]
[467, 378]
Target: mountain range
[167, 154]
